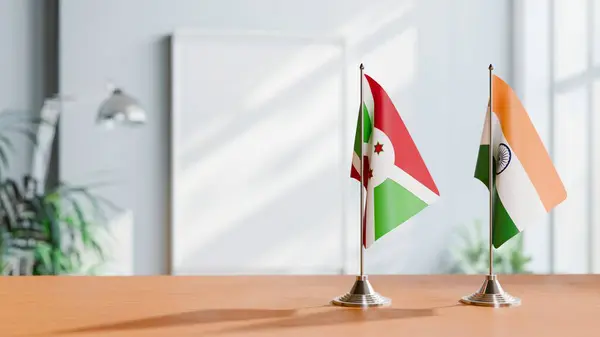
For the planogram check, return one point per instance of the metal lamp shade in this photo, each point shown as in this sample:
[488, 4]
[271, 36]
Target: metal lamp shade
[120, 108]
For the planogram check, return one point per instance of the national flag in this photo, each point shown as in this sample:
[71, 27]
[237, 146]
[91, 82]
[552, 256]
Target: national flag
[397, 181]
[527, 185]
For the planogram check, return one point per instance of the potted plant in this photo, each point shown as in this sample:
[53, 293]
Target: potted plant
[472, 255]
[52, 231]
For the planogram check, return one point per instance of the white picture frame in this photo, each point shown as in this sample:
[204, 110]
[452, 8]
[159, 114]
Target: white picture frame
[226, 240]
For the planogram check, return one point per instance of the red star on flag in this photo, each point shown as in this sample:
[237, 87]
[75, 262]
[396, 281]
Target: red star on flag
[378, 148]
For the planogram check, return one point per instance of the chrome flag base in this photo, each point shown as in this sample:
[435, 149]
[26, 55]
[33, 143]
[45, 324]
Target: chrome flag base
[361, 295]
[491, 294]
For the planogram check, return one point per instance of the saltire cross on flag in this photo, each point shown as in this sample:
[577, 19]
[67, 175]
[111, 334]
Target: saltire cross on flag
[527, 185]
[397, 181]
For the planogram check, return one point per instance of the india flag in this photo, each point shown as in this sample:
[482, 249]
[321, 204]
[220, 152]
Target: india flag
[527, 185]
[397, 181]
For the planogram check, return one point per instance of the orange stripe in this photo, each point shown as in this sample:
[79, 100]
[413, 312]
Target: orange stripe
[525, 142]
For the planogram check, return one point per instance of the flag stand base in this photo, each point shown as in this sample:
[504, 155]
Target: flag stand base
[491, 294]
[361, 295]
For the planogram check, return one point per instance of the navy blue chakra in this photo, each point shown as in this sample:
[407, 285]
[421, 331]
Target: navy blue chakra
[504, 157]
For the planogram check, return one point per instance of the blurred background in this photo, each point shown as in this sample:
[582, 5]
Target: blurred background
[233, 125]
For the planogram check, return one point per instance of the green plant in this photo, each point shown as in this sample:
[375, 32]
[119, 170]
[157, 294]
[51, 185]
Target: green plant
[62, 229]
[73, 232]
[472, 256]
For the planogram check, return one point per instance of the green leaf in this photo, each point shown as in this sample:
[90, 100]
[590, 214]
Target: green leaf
[65, 214]
[65, 264]
[54, 228]
[98, 249]
[83, 224]
[98, 203]
[43, 253]
[57, 257]
[77, 255]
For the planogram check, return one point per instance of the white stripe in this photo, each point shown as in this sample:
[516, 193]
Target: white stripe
[413, 185]
[370, 214]
[384, 167]
[485, 135]
[356, 162]
[515, 189]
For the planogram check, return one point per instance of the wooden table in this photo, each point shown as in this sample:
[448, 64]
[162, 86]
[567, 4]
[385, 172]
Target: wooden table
[565, 306]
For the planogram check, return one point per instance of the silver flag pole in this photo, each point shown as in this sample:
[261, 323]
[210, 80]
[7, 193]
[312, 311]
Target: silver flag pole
[362, 293]
[491, 293]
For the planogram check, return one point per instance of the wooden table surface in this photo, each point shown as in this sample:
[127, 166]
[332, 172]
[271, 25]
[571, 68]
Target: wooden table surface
[565, 306]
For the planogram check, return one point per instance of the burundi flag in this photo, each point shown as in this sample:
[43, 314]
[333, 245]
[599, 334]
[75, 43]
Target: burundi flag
[397, 181]
[527, 185]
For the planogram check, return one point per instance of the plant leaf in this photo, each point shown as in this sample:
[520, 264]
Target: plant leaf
[97, 202]
[57, 257]
[43, 252]
[98, 249]
[83, 224]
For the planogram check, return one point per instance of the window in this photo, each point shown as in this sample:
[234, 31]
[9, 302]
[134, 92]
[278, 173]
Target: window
[557, 73]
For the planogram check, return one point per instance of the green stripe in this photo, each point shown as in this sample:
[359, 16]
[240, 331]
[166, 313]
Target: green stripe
[504, 227]
[482, 171]
[367, 132]
[368, 123]
[394, 205]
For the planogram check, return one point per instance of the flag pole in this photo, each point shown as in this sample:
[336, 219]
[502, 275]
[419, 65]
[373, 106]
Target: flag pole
[491, 176]
[491, 294]
[362, 293]
[362, 171]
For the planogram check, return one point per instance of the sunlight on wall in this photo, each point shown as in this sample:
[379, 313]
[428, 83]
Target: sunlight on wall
[533, 85]
[394, 63]
[571, 152]
[372, 19]
[257, 153]
[570, 47]
[266, 183]
[262, 163]
[310, 60]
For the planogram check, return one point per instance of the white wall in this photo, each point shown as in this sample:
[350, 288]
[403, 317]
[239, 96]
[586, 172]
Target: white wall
[431, 56]
[22, 73]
